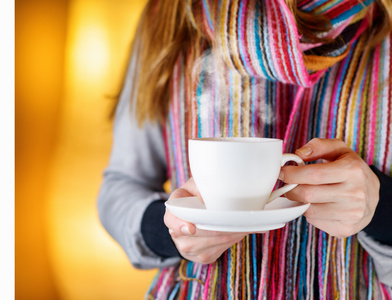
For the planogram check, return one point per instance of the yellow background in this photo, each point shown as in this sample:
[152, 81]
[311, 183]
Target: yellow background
[68, 56]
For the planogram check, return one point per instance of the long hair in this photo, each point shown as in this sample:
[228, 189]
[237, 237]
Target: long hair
[164, 32]
[168, 29]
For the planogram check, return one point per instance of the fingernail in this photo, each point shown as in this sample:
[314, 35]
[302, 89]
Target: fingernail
[185, 230]
[171, 231]
[305, 150]
[281, 175]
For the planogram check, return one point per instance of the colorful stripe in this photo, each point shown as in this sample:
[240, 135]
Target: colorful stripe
[260, 88]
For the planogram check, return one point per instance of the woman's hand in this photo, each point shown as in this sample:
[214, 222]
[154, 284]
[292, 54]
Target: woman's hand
[343, 191]
[194, 244]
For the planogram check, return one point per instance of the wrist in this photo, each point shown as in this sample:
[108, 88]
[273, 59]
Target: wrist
[379, 226]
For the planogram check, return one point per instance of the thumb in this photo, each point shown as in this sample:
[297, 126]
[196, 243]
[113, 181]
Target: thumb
[178, 227]
[328, 149]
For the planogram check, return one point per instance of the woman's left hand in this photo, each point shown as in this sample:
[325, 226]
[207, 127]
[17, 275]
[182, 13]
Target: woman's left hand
[343, 191]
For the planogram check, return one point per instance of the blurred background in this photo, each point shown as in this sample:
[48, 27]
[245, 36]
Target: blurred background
[69, 55]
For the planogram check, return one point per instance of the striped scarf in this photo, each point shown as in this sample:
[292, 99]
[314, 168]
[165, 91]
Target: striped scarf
[265, 82]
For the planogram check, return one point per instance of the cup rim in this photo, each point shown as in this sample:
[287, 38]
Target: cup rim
[236, 140]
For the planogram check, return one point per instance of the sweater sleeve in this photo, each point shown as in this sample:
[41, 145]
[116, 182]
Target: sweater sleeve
[132, 181]
[381, 255]
[376, 238]
[155, 232]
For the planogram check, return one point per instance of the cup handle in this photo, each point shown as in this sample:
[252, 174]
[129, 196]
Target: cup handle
[287, 187]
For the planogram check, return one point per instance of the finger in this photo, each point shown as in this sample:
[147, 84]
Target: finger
[225, 244]
[207, 247]
[190, 186]
[322, 173]
[198, 243]
[328, 149]
[180, 193]
[322, 211]
[178, 226]
[337, 229]
[211, 233]
[205, 255]
[188, 189]
[349, 213]
[306, 193]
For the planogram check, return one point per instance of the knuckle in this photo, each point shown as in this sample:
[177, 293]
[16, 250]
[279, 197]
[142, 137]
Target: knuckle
[307, 195]
[316, 175]
[348, 163]
[357, 214]
[356, 167]
[316, 141]
[345, 231]
[173, 234]
[339, 142]
[309, 212]
[226, 238]
[184, 248]
[205, 258]
[359, 196]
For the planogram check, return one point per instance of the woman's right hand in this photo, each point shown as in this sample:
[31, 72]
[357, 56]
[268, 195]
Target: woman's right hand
[200, 246]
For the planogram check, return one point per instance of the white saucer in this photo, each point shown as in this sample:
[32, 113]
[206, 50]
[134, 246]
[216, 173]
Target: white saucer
[275, 215]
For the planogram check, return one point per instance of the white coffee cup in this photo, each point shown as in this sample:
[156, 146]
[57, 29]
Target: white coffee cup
[238, 173]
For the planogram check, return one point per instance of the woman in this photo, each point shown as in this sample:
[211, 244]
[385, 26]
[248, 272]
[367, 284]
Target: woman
[271, 68]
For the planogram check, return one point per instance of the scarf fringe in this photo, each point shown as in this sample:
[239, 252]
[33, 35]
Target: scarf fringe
[312, 265]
